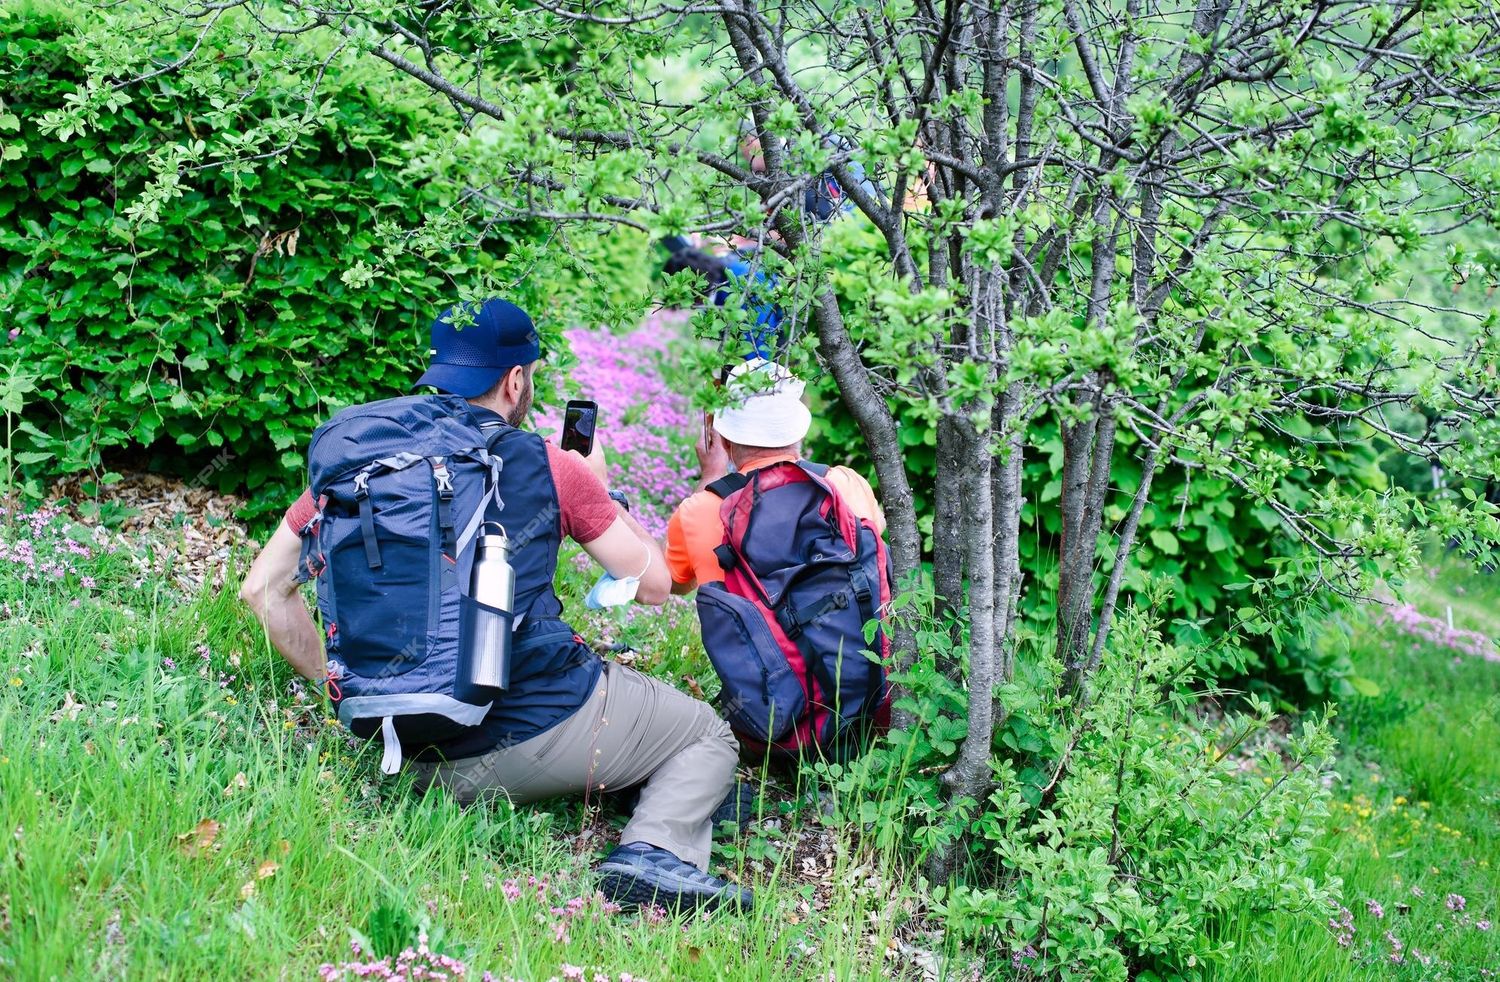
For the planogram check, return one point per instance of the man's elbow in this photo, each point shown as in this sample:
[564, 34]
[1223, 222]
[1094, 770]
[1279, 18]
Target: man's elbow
[653, 594]
[655, 588]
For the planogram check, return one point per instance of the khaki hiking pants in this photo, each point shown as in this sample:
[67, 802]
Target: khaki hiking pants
[632, 729]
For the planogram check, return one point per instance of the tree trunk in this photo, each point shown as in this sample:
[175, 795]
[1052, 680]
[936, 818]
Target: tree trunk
[948, 528]
[969, 777]
[1007, 501]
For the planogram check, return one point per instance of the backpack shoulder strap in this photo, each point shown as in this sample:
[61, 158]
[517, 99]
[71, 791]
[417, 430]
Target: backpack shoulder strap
[821, 470]
[727, 485]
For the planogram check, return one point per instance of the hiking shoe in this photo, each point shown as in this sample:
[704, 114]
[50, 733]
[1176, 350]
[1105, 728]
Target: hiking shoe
[738, 806]
[639, 875]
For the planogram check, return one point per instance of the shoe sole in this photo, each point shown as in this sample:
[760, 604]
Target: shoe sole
[628, 891]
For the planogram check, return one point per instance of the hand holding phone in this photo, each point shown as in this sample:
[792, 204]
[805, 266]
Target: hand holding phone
[713, 458]
[579, 422]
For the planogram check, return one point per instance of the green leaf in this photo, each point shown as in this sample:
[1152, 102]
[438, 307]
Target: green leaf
[1165, 541]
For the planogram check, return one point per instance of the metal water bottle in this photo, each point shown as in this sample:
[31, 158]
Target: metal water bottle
[488, 619]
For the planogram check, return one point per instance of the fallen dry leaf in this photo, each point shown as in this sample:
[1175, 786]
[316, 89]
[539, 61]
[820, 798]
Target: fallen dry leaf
[248, 890]
[267, 869]
[236, 783]
[200, 839]
[695, 688]
[70, 709]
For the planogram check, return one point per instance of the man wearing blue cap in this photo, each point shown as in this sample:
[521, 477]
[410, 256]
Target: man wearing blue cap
[568, 722]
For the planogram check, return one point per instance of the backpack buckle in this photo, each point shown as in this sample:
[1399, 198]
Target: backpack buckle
[442, 476]
[789, 621]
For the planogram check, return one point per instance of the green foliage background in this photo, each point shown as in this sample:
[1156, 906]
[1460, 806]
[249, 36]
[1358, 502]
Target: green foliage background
[176, 286]
[1202, 541]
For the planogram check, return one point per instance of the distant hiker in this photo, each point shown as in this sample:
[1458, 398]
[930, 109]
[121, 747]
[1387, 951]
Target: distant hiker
[731, 275]
[789, 565]
[404, 493]
[824, 197]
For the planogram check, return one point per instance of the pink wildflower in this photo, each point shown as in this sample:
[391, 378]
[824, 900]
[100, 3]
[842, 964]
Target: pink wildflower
[1456, 901]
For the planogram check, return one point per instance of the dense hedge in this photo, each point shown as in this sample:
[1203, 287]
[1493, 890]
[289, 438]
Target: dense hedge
[213, 312]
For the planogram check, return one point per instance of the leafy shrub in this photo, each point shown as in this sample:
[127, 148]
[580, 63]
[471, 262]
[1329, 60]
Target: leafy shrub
[192, 267]
[1117, 837]
[1200, 538]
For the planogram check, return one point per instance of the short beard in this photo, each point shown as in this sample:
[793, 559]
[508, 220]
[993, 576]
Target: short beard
[519, 411]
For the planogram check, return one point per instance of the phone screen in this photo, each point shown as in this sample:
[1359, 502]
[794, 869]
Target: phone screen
[578, 426]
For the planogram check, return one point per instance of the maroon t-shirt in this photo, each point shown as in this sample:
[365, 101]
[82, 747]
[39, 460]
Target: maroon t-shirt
[587, 509]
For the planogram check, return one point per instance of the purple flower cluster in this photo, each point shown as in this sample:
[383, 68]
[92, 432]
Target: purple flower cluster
[412, 964]
[592, 907]
[646, 426]
[1396, 950]
[1413, 623]
[42, 546]
[422, 963]
[569, 913]
[1341, 926]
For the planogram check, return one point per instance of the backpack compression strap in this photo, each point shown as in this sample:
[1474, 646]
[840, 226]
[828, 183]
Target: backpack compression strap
[723, 488]
[727, 485]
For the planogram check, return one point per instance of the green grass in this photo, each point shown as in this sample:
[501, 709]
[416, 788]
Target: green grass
[171, 809]
[1417, 812]
[132, 720]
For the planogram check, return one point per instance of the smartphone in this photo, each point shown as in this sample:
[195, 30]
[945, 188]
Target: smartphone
[579, 420]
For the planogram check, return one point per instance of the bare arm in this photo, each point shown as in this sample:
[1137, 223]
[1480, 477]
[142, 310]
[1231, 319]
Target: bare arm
[626, 549]
[272, 593]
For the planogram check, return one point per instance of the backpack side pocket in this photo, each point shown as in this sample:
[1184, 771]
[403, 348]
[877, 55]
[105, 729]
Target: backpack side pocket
[762, 697]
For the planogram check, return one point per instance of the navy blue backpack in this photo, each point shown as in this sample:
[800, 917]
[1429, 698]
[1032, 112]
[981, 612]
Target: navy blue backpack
[785, 630]
[404, 485]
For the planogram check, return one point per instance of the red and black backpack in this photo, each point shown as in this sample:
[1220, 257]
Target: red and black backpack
[803, 575]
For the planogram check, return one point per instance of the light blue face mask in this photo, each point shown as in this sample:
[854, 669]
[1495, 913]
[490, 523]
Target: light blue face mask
[612, 592]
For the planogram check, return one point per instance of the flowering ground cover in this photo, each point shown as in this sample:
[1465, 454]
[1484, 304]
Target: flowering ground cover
[647, 427]
[177, 804]
[1415, 830]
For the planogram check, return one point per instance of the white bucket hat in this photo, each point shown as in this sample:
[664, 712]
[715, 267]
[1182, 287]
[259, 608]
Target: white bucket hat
[768, 411]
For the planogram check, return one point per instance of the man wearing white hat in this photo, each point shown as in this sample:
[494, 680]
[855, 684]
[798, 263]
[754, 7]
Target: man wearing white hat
[765, 425]
[817, 533]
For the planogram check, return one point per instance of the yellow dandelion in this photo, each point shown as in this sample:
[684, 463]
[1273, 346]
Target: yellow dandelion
[15, 680]
[1400, 799]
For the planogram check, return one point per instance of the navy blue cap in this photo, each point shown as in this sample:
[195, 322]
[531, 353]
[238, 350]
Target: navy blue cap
[468, 361]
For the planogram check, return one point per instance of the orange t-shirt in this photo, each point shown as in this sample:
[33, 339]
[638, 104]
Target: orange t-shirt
[694, 530]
